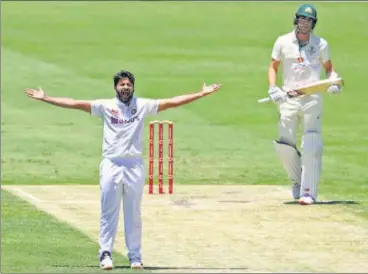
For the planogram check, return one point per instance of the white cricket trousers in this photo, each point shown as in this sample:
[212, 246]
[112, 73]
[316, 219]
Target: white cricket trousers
[122, 180]
[308, 111]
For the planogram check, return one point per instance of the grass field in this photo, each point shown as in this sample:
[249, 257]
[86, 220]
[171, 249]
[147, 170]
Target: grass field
[72, 49]
[33, 242]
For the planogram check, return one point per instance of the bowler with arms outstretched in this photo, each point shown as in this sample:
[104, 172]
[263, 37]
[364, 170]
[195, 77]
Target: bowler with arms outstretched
[122, 171]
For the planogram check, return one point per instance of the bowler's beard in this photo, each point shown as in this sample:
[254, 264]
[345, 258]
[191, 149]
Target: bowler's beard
[125, 95]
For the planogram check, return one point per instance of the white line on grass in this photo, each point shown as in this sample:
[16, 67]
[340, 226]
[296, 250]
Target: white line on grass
[29, 196]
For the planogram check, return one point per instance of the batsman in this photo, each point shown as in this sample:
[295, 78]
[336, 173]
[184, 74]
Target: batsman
[302, 56]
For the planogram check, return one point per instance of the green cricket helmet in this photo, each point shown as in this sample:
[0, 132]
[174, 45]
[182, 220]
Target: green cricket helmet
[306, 10]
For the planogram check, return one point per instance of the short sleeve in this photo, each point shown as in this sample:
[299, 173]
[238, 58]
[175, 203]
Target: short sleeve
[276, 51]
[324, 51]
[97, 108]
[150, 106]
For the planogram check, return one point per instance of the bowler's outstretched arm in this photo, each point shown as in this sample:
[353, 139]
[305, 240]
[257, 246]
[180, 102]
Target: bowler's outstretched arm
[40, 95]
[187, 98]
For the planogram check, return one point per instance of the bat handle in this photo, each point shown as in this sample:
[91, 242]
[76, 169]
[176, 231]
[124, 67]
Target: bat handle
[264, 100]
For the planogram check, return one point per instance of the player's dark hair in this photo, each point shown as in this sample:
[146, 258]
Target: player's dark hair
[123, 74]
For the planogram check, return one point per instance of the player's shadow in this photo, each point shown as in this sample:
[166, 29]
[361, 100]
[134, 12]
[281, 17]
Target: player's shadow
[326, 203]
[233, 202]
[172, 268]
[184, 268]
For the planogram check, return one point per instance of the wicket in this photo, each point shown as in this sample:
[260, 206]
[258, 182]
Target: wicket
[161, 155]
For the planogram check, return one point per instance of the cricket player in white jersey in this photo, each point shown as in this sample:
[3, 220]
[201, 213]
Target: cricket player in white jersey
[122, 171]
[303, 55]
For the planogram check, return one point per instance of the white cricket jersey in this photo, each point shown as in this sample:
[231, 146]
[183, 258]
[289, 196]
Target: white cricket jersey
[300, 65]
[123, 125]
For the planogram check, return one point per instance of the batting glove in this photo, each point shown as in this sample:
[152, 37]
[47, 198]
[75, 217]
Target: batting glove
[334, 89]
[276, 94]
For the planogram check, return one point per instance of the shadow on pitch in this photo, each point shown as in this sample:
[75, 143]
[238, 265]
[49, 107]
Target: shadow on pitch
[185, 268]
[173, 268]
[326, 203]
[233, 202]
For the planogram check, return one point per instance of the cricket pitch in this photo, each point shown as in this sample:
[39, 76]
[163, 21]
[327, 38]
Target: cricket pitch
[227, 228]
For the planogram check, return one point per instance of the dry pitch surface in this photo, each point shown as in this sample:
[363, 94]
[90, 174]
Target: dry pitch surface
[228, 228]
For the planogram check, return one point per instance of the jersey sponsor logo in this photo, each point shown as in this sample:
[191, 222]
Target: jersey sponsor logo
[116, 121]
[133, 111]
[298, 67]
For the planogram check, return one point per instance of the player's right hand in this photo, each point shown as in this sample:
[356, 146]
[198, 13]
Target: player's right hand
[38, 94]
[276, 94]
[334, 89]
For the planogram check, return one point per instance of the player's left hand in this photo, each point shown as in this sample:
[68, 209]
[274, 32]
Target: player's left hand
[208, 89]
[334, 89]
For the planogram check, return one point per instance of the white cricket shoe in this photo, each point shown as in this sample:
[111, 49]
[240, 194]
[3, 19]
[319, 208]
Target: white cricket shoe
[136, 265]
[296, 190]
[106, 261]
[306, 200]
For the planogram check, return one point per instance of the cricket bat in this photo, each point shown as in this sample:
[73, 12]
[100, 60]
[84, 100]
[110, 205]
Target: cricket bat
[319, 86]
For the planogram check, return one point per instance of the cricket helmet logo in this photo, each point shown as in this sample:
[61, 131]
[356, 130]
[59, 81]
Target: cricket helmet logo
[308, 10]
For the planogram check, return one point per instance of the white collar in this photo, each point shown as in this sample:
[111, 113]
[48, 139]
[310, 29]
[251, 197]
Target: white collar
[295, 39]
[120, 104]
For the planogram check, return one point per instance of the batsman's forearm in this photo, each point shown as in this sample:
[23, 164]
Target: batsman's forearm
[272, 76]
[60, 102]
[331, 74]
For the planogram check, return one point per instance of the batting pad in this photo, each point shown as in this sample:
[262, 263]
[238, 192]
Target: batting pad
[290, 159]
[311, 163]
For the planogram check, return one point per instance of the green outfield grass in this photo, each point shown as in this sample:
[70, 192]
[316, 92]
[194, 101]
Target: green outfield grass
[35, 242]
[72, 49]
